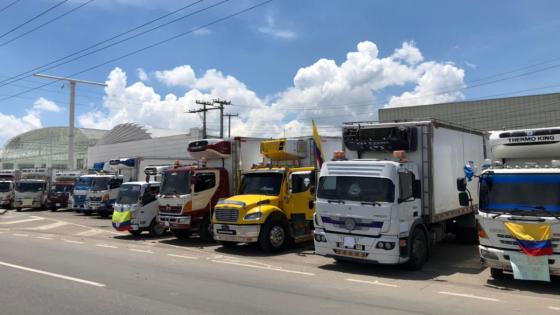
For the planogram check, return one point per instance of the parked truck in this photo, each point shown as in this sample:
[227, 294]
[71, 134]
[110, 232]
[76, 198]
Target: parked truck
[391, 193]
[82, 186]
[8, 179]
[61, 189]
[32, 189]
[520, 187]
[274, 205]
[189, 192]
[102, 194]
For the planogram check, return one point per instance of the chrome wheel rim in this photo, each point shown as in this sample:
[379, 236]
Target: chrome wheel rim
[277, 236]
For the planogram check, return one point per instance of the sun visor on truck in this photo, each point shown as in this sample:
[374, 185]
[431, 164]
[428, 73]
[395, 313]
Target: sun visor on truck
[389, 139]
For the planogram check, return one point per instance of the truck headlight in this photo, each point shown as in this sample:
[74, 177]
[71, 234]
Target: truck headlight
[253, 216]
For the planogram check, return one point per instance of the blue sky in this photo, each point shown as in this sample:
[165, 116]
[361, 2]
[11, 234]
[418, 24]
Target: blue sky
[257, 56]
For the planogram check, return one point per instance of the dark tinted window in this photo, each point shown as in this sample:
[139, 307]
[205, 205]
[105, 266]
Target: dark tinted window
[405, 185]
[302, 182]
[353, 188]
[261, 184]
[4, 187]
[204, 181]
[174, 183]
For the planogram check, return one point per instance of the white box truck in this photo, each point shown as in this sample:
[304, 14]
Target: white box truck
[522, 187]
[394, 193]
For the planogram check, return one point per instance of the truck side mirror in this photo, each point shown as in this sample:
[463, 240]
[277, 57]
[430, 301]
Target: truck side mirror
[464, 199]
[462, 184]
[312, 190]
[416, 189]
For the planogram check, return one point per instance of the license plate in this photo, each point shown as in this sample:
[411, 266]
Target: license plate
[349, 242]
[27, 202]
[225, 230]
[58, 204]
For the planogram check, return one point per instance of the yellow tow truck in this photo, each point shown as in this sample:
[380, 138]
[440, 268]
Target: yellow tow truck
[275, 202]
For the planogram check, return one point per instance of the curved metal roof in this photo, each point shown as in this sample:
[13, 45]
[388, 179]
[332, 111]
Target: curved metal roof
[133, 132]
[55, 135]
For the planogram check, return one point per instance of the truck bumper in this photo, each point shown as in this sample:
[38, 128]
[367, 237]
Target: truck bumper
[499, 259]
[176, 222]
[237, 233]
[33, 205]
[364, 248]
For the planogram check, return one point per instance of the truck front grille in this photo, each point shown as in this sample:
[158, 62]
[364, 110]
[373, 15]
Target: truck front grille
[226, 215]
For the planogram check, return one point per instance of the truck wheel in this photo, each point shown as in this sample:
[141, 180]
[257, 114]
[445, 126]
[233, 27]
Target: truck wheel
[467, 236]
[181, 234]
[228, 244]
[156, 228]
[206, 233]
[274, 236]
[53, 209]
[418, 250]
[103, 214]
[135, 232]
[18, 209]
[86, 213]
[497, 273]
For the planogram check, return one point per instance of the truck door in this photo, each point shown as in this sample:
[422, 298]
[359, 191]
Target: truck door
[205, 186]
[301, 193]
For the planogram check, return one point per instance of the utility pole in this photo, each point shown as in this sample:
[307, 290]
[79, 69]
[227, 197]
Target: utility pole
[202, 110]
[72, 110]
[221, 104]
[229, 123]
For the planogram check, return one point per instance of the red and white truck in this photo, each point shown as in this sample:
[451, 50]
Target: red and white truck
[189, 192]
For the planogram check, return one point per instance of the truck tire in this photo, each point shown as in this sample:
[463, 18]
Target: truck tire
[274, 236]
[157, 229]
[206, 234]
[418, 250]
[18, 209]
[497, 273]
[53, 209]
[181, 234]
[104, 214]
[467, 236]
[135, 232]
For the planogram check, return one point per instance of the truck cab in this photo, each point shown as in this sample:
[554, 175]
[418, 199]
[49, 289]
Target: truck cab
[102, 194]
[31, 193]
[7, 194]
[136, 209]
[520, 186]
[274, 205]
[82, 186]
[61, 189]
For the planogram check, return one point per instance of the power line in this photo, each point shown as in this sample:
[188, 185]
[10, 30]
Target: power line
[34, 18]
[29, 72]
[159, 43]
[6, 7]
[46, 23]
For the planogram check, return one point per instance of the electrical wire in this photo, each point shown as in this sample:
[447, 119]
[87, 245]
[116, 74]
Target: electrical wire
[33, 18]
[6, 7]
[46, 23]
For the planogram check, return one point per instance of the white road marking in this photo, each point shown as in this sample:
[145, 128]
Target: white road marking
[554, 308]
[44, 237]
[470, 296]
[181, 256]
[31, 219]
[374, 283]
[105, 246]
[264, 268]
[55, 275]
[49, 226]
[140, 250]
[20, 235]
[99, 231]
[90, 232]
[72, 242]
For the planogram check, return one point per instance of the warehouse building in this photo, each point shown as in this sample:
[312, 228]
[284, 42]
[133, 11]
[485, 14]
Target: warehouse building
[48, 147]
[519, 112]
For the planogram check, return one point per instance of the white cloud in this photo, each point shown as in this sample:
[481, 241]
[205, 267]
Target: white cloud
[142, 75]
[271, 29]
[202, 32]
[328, 92]
[470, 65]
[13, 126]
[45, 105]
[179, 76]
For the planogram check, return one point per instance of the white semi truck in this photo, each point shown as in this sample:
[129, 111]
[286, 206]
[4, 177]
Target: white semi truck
[394, 192]
[8, 179]
[32, 189]
[521, 185]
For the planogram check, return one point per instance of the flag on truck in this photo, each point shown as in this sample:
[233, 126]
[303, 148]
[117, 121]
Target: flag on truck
[317, 145]
[534, 239]
[121, 220]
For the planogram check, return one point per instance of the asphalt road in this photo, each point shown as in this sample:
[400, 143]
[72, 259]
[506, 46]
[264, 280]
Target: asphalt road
[61, 263]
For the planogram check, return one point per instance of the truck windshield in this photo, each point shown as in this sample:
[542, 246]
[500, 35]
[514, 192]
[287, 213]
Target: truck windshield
[530, 193]
[60, 188]
[355, 188]
[261, 184]
[4, 187]
[129, 194]
[29, 187]
[176, 183]
[84, 182]
[100, 183]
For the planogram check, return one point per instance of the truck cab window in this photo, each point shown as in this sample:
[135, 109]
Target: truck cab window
[204, 181]
[406, 180]
[301, 182]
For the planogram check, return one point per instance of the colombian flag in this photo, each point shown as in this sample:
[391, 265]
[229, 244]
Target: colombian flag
[121, 220]
[317, 145]
[534, 239]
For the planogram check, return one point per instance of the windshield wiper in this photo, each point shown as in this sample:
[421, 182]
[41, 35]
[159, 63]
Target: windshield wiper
[336, 201]
[547, 212]
[511, 211]
[371, 203]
